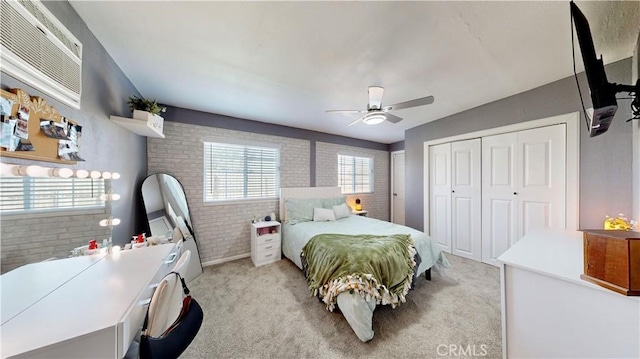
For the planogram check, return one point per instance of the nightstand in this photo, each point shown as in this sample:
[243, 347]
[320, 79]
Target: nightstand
[360, 213]
[265, 242]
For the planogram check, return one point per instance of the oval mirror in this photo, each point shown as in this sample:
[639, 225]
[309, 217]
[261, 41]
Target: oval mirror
[168, 215]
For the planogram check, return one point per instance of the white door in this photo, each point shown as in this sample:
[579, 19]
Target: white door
[466, 235]
[499, 200]
[524, 175]
[397, 192]
[541, 179]
[440, 204]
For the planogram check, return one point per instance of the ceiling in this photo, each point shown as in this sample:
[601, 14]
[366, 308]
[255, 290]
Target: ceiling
[287, 62]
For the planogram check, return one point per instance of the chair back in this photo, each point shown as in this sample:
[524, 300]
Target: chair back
[173, 320]
[183, 263]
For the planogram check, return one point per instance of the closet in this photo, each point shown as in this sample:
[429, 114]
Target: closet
[455, 211]
[486, 193]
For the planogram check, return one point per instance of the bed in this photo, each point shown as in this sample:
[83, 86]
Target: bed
[357, 310]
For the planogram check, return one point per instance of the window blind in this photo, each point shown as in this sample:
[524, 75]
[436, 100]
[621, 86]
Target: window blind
[40, 194]
[355, 174]
[240, 172]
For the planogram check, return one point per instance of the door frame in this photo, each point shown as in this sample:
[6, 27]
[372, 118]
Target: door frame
[391, 218]
[572, 185]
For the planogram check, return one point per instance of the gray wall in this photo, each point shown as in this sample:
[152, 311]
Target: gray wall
[104, 145]
[605, 161]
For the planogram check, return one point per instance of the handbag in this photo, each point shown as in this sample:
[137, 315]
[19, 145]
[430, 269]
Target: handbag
[177, 337]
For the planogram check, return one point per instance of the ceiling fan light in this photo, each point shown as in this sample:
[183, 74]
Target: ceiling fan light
[374, 118]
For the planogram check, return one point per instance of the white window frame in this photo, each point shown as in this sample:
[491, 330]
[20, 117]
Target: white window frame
[243, 145]
[59, 208]
[354, 159]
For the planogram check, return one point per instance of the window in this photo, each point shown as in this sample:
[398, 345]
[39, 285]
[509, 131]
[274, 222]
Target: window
[355, 174]
[21, 195]
[233, 172]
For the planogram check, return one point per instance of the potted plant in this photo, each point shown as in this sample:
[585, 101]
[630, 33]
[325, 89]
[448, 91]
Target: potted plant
[147, 110]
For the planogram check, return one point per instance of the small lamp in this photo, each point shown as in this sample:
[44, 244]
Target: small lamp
[358, 205]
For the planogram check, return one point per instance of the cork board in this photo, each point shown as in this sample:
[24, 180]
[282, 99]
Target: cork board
[44, 148]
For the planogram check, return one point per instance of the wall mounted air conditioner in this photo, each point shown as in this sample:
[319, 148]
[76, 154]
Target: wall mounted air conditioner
[39, 51]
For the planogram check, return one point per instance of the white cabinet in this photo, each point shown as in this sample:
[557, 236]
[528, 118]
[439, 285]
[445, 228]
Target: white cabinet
[456, 198]
[523, 186]
[549, 312]
[265, 242]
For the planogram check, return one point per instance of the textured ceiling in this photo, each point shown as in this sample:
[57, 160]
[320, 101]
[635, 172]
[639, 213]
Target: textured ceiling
[288, 62]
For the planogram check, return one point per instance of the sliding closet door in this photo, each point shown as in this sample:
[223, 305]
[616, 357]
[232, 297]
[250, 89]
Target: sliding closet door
[541, 179]
[440, 203]
[499, 195]
[466, 235]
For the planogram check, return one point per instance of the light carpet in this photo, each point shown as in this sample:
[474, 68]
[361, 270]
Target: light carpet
[267, 312]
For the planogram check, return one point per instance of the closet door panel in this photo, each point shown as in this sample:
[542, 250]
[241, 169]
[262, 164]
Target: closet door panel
[541, 178]
[440, 195]
[499, 195]
[466, 188]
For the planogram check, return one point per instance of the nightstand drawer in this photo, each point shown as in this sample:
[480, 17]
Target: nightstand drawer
[268, 239]
[270, 246]
[267, 256]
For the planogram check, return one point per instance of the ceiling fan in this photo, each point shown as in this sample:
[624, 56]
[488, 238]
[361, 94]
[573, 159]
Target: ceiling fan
[375, 113]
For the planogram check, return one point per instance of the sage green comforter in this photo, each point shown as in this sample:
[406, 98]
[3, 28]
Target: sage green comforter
[378, 267]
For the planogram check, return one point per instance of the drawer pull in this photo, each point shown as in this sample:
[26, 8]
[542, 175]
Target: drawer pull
[269, 247]
[172, 257]
[267, 240]
[269, 255]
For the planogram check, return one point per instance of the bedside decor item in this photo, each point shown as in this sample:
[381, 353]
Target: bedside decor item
[358, 205]
[612, 260]
[620, 223]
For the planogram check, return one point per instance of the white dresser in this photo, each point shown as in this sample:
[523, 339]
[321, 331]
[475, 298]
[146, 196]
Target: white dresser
[265, 242]
[549, 312]
[92, 307]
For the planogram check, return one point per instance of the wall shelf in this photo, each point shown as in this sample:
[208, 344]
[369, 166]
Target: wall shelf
[140, 127]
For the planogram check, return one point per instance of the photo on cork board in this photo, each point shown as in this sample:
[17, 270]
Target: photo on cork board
[6, 106]
[53, 129]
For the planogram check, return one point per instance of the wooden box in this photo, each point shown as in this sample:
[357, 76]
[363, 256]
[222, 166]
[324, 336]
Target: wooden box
[612, 260]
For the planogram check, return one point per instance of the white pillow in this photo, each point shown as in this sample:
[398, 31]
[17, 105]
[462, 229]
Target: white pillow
[323, 215]
[341, 211]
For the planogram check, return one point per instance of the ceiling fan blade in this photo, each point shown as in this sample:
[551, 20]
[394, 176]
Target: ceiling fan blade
[393, 119]
[413, 103]
[345, 111]
[356, 121]
[375, 97]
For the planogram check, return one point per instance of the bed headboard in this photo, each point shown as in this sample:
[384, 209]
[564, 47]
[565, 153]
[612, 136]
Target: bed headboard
[305, 192]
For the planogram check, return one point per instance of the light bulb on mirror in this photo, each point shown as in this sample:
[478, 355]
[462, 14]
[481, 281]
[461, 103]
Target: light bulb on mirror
[81, 174]
[115, 175]
[106, 175]
[95, 174]
[109, 197]
[7, 169]
[60, 172]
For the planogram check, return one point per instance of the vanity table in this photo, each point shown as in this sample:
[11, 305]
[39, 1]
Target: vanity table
[81, 307]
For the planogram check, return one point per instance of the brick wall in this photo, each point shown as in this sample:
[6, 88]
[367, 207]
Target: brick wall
[376, 203]
[222, 230]
[29, 240]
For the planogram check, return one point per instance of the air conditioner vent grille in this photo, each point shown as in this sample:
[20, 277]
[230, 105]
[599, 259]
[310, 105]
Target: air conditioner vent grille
[55, 30]
[32, 54]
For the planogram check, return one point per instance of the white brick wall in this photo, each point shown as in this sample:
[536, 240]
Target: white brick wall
[327, 175]
[222, 231]
[31, 240]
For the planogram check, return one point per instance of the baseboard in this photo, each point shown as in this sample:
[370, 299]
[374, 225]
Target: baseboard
[228, 259]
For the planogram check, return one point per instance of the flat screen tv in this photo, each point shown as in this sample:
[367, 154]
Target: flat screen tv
[603, 94]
